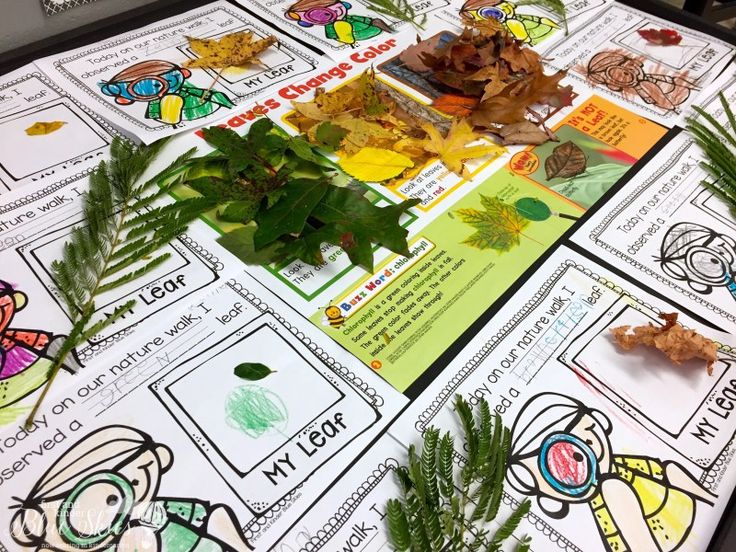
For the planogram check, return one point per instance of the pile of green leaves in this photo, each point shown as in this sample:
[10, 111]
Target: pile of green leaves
[283, 196]
[718, 144]
[433, 514]
[123, 228]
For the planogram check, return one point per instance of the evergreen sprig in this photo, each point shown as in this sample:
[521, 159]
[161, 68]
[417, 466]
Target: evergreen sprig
[555, 6]
[403, 10]
[116, 242]
[433, 514]
[718, 144]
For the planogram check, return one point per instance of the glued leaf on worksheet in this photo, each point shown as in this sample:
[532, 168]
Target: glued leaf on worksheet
[499, 226]
[43, 128]
[231, 50]
[675, 341]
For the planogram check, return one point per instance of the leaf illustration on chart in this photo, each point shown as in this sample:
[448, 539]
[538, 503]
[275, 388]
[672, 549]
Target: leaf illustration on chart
[44, 128]
[567, 160]
[499, 226]
[252, 371]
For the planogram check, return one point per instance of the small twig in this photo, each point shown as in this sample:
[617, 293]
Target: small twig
[211, 86]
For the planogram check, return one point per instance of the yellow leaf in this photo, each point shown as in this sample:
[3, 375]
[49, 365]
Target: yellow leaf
[41, 129]
[232, 50]
[376, 164]
[363, 133]
[452, 150]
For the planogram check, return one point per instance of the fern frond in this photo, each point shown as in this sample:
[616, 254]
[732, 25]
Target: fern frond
[398, 525]
[447, 452]
[507, 529]
[150, 265]
[96, 328]
[429, 466]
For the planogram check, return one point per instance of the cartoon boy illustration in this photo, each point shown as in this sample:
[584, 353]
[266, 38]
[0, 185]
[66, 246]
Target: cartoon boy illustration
[561, 454]
[164, 87]
[531, 29]
[102, 494]
[25, 355]
[338, 23]
[700, 257]
[620, 72]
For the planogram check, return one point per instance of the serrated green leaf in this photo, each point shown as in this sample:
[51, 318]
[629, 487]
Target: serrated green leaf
[329, 136]
[240, 243]
[242, 211]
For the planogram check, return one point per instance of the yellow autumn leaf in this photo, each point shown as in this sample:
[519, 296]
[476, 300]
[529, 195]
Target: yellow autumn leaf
[231, 50]
[362, 133]
[375, 164]
[43, 128]
[453, 149]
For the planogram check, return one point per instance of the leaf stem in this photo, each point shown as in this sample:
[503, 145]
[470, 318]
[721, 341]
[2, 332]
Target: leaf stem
[211, 86]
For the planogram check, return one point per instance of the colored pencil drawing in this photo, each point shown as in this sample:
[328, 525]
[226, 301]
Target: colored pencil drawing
[339, 24]
[699, 256]
[103, 494]
[256, 411]
[528, 28]
[562, 455]
[25, 354]
[627, 74]
[164, 88]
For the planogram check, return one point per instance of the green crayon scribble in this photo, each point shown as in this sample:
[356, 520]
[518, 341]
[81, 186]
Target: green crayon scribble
[255, 410]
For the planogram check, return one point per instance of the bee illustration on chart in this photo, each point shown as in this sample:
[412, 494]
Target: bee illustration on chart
[333, 317]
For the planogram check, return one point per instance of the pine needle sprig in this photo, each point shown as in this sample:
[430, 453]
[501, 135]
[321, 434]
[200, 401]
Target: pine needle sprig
[555, 6]
[719, 145]
[403, 10]
[433, 512]
[116, 242]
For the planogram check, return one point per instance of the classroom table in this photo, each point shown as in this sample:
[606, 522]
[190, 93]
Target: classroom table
[725, 537]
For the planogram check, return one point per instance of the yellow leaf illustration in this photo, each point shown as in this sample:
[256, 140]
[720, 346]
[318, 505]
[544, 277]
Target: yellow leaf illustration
[376, 164]
[43, 128]
[232, 50]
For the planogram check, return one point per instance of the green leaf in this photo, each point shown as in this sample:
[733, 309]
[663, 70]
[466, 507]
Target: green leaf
[355, 213]
[329, 136]
[240, 243]
[304, 150]
[398, 525]
[242, 211]
[226, 140]
[290, 212]
[252, 371]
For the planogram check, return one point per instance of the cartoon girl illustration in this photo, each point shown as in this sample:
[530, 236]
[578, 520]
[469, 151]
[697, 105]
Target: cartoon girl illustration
[700, 257]
[620, 72]
[338, 23]
[531, 29]
[561, 454]
[102, 494]
[25, 355]
[164, 87]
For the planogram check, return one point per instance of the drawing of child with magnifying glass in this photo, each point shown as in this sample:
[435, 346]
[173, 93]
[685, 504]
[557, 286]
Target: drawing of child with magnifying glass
[103, 494]
[338, 23]
[164, 87]
[561, 453]
[528, 28]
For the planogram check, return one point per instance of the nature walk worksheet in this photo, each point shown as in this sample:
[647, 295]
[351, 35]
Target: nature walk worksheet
[258, 401]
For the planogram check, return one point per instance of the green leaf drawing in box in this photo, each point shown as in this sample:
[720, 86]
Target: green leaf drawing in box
[256, 411]
[499, 226]
[252, 371]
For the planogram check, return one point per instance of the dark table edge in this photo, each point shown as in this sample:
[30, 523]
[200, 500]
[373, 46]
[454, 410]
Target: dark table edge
[144, 15]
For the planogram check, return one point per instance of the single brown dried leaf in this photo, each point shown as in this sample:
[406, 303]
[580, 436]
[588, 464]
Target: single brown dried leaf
[567, 160]
[675, 341]
[524, 132]
[412, 57]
